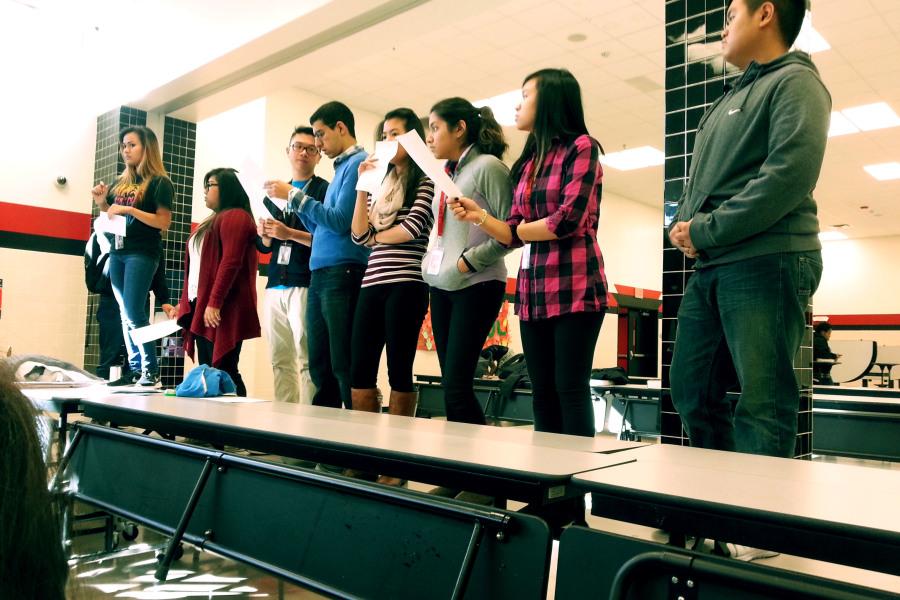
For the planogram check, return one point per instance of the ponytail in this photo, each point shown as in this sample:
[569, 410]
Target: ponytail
[482, 129]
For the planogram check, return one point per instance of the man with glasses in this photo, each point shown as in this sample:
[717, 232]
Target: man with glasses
[288, 241]
[337, 264]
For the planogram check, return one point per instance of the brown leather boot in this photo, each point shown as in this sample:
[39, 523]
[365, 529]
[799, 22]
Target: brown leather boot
[404, 404]
[365, 400]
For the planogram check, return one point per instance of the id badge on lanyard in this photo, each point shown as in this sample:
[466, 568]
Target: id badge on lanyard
[120, 242]
[284, 253]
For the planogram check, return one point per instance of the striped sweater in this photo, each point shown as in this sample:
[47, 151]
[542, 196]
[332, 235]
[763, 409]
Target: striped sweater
[396, 263]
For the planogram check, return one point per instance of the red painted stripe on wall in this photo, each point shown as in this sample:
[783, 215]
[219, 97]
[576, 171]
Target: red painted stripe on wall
[48, 222]
[861, 321]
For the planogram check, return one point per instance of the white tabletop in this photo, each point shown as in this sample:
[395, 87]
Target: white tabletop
[820, 399]
[849, 495]
[376, 434]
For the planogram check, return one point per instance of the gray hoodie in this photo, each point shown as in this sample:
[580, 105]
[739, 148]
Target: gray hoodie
[485, 179]
[757, 158]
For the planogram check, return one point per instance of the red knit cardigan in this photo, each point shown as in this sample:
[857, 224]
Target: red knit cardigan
[228, 266]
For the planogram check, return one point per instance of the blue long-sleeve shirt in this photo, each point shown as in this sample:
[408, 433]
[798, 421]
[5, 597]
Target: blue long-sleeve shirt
[329, 221]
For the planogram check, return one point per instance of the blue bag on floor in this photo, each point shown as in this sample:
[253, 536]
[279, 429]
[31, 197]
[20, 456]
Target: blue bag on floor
[205, 382]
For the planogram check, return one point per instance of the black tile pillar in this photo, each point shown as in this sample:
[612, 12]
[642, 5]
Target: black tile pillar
[108, 164]
[179, 145]
[695, 77]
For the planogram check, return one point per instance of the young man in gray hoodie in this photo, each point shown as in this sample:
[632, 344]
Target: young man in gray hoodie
[749, 219]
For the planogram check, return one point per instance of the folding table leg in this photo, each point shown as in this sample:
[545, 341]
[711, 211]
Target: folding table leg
[172, 546]
[462, 581]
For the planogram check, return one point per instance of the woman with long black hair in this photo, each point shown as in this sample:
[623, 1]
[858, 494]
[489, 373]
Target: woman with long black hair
[393, 298]
[218, 301]
[464, 266]
[561, 286]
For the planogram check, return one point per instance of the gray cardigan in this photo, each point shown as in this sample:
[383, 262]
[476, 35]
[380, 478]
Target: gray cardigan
[485, 179]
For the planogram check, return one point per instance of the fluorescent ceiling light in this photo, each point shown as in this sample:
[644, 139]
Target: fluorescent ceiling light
[841, 125]
[809, 40]
[504, 106]
[634, 158]
[872, 116]
[884, 171]
[832, 236]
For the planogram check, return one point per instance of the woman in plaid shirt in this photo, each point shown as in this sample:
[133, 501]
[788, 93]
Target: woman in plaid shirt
[561, 287]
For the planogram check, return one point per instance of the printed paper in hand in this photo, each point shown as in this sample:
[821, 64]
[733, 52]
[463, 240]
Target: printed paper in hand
[370, 181]
[251, 177]
[142, 335]
[423, 157]
[110, 224]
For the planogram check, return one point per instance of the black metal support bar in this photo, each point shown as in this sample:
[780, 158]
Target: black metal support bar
[64, 461]
[166, 561]
[465, 570]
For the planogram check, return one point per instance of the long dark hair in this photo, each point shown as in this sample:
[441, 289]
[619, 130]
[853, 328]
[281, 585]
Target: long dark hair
[414, 173]
[559, 114]
[231, 195]
[482, 129]
[33, 564]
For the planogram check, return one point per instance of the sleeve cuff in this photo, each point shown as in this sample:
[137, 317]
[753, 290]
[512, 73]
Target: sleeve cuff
[296, 199]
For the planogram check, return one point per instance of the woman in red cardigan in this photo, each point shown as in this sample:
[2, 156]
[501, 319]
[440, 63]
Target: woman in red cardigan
[218, 300]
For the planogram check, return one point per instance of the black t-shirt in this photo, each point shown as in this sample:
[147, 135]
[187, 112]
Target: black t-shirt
[139, 237]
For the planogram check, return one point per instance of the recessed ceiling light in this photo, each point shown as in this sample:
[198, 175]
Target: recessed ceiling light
[872, 116]
[634, 158]
[577, 37]
[841, 125]
[809, 40]
[503, 105]
[884, 171]
[832, 236]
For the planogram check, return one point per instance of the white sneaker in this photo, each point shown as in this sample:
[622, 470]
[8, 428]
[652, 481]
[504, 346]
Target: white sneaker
[747, 553]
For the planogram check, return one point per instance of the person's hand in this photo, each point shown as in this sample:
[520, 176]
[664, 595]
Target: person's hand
[277, 189]
[212, 317]
[119, 209]
[465, 209]
[368, 164]
[680, 236]
[261, 228]
[98, 193]
[277, 229]
[171, 311]
[461, 265]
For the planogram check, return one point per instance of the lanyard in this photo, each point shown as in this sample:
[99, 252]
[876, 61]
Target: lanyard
[442, 203]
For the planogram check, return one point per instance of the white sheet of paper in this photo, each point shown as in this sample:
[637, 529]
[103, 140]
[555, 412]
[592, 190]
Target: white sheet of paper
[423, 157]
[370, 181]
[235, 399]
[110, 224]
[142, 335]
[251, 177]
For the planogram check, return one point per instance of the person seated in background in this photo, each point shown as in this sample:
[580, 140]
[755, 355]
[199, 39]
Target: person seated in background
[822, 352]
[32, 561]
[218, 300]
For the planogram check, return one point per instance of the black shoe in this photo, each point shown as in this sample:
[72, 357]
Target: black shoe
[129, 378]
[148, 379]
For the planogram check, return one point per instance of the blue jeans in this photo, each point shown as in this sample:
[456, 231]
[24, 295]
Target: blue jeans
[131, 276]
[329, 324]
[743, 323]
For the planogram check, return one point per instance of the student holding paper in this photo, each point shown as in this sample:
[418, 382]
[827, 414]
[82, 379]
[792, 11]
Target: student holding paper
[218, 299]
[287, 240]
[337, 264]
[143, 195]
[464, 266]
[561, 286]
[395, 221]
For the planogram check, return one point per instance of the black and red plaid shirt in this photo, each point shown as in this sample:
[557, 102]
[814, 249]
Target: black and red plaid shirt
[564, 275]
